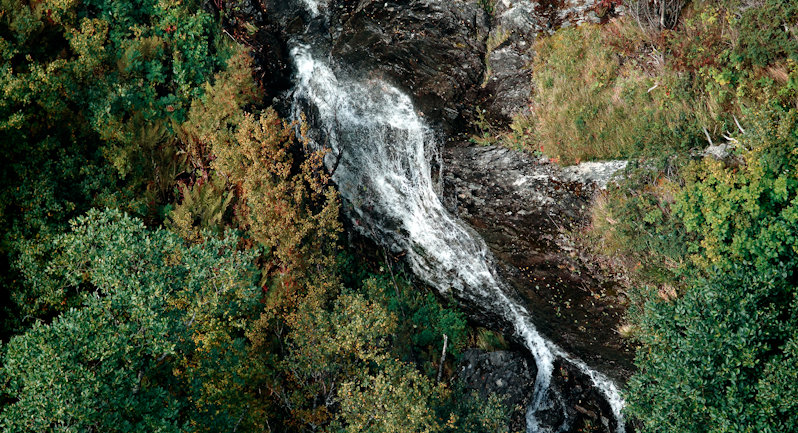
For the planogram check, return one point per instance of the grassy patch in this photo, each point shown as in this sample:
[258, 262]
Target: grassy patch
[601, 93]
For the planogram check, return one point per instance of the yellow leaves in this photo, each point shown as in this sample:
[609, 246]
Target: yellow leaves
[166, 5]
[780, 188]
[286, 209]
[212, 119]
[57, 12]
[395, 400]
[25, 18]
[264, 141]
[88, 42]
[203, 206]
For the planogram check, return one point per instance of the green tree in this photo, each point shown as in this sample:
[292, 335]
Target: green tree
[91, 93]
[358, 365]
[398, 399]
[80, 78]
[155, 341]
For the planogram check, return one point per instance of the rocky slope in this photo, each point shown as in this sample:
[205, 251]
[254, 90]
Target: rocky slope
[452, 56]
[524, 207]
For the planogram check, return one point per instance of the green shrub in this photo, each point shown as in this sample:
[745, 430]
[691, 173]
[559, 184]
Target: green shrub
[721, 358]
[732, 56]
[747, 215]
[767, 33]
[632, 221]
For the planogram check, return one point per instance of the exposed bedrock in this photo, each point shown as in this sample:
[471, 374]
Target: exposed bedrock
[451, 55]
[510, 375]
[523, 206]
[434, 50]
[431, 49]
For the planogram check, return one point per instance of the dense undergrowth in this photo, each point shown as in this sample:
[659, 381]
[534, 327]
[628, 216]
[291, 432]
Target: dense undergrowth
[171, 251]
[709, 242]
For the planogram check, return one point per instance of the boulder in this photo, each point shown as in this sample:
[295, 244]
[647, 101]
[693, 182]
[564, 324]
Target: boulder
[599, 173]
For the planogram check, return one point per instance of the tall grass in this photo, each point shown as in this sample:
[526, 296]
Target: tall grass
[593, 101]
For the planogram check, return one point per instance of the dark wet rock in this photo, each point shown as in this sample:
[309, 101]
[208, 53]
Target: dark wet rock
[508, 374]
[433, 49]
[524, 207]
[508, 85]
[575, 396]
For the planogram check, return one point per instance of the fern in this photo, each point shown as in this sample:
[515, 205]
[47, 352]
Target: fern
[203, 207]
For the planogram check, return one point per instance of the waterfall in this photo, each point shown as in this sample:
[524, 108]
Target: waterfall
[314, 7]
[379, 153]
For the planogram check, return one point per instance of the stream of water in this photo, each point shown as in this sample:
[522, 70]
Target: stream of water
[380, 153]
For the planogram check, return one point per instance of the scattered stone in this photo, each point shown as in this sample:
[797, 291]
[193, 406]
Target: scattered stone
[718, 151]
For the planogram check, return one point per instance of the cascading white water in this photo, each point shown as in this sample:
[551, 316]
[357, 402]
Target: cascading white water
[380, 160]
[314, 6]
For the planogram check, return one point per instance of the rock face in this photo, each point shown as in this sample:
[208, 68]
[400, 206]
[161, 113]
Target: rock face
[432, 49]
[508, 85]
[598, 173]
[449, 54]
[584, 405]
[523, 207]
[508, 374]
